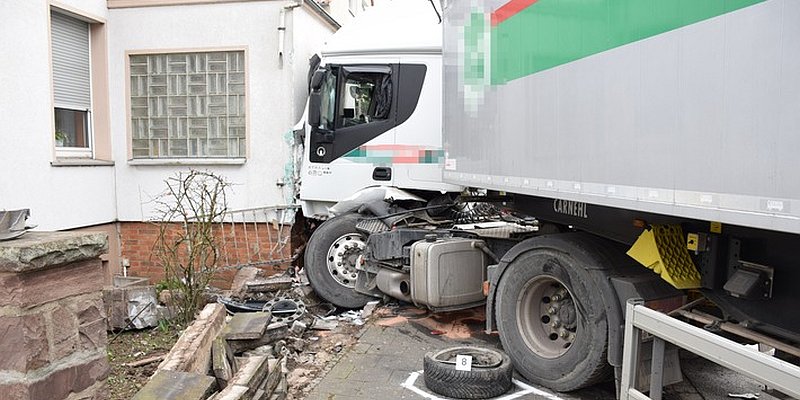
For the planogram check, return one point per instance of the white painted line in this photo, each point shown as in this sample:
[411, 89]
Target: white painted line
[409, 384]
[531, 389]
[526, 389]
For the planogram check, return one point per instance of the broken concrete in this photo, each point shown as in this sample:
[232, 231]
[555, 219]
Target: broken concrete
[233, 392]
[244, 275]
[223, 362]
[247, 326]
[177, 385]
[271, 284]
[192, 352]
[251, 373]
[274, 332]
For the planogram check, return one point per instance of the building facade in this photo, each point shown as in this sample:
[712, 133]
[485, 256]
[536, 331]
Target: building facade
[104, 100]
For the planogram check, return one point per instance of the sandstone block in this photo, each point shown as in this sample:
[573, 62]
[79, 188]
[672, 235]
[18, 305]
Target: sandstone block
[71, 379]
[32, 288]
[37, 250]
[251, 373]
[24, 343]
[192, 351]
[64, 325]
[244, 326]
[222, 361]
[232, 392]
[92, 335]
[176, 385]
[275, 331]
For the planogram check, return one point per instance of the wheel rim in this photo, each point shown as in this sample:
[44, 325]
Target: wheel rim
[547, 317]
[342, 256]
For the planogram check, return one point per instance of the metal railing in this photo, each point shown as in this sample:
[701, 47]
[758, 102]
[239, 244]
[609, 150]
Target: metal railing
[764, 368]
[257, 236]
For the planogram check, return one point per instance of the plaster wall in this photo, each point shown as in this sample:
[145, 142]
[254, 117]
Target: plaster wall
[272, 108]
[59, 197]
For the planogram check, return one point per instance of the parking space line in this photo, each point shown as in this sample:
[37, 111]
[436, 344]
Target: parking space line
[526, 389]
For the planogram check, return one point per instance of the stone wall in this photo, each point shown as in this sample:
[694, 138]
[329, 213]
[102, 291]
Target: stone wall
[52, 320]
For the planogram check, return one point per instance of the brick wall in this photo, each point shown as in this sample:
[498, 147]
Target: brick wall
[240, 244]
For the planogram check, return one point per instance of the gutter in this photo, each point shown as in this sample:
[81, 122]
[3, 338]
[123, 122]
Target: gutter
[317, 9]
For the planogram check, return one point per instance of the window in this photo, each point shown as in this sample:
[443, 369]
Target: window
[366, 98]
[71, 85]
[188, 105]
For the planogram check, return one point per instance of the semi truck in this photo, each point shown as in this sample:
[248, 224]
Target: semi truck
[592, 152]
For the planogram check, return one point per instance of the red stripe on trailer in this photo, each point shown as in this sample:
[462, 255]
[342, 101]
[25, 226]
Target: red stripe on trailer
[510, 9]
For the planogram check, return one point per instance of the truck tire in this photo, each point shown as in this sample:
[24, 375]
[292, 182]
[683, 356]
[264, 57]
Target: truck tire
[330, 261]
[490, 375]
[551, 318]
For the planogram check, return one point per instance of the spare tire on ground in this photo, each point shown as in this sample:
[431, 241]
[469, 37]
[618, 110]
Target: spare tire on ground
[490, 374]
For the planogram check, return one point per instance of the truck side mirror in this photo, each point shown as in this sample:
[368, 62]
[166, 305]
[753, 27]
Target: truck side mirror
[314, 102]
[316, 79]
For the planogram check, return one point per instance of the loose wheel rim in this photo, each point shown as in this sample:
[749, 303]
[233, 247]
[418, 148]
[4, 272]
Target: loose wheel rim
[547, 317]
[342, 256]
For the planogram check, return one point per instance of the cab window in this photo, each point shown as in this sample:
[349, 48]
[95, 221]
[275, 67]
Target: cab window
[365, 98]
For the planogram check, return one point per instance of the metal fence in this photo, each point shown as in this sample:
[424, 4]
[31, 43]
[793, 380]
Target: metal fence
[256, 236]
[764, 368]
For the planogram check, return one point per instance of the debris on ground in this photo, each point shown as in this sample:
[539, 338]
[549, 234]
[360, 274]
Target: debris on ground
[275, 341]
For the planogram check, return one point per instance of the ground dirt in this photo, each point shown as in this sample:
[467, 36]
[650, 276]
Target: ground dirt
[130, 346]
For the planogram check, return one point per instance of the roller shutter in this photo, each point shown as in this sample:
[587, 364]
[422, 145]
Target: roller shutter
[70, 44]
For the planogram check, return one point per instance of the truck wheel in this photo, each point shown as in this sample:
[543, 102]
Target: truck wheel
[551, 320]
[490, 375]
[330, 261]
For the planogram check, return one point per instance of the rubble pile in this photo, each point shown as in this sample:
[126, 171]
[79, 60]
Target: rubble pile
[268, 340]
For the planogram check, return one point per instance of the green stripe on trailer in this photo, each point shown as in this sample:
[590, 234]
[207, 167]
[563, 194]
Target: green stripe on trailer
[543, 34]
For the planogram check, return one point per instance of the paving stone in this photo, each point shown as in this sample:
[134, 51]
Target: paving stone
[247, 326]
[176, 385]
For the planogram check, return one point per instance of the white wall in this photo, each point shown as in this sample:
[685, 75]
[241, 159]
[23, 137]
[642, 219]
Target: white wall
[70, 197]
[272, 106]
[59, 197]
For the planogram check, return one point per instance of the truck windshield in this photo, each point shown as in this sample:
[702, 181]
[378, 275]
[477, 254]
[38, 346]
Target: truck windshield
[328, 103]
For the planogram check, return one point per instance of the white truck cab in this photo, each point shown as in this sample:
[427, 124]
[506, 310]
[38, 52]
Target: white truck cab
[374, 113]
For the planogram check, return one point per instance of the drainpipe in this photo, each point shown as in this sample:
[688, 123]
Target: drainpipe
[282, 26]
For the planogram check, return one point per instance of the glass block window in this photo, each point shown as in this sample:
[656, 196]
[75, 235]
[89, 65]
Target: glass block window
[188, 105]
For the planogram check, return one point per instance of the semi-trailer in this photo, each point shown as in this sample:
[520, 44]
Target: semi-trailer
[607, 150]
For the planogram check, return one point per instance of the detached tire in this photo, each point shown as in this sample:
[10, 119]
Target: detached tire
[550, 314]
[490, 375]
[330, 261]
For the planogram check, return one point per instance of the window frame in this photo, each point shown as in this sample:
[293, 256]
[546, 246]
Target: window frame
[186, 160]
[74, 152]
